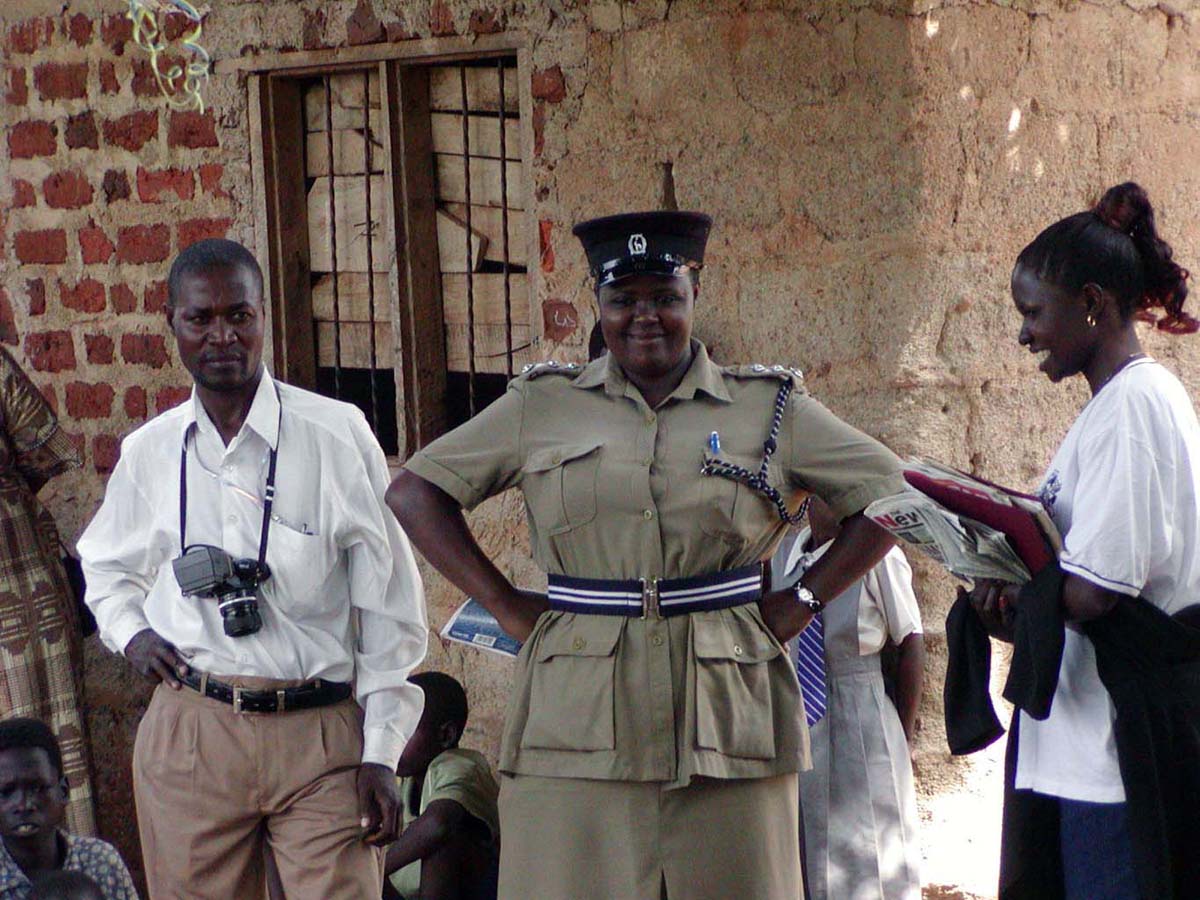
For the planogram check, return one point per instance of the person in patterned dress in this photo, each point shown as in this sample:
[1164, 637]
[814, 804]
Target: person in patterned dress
[41, 653]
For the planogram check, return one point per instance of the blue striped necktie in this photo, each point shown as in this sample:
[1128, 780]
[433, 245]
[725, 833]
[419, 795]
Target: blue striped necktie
[810, 666]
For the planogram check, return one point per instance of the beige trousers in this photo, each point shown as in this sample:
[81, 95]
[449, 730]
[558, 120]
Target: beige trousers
[578, 839]
[213, 785]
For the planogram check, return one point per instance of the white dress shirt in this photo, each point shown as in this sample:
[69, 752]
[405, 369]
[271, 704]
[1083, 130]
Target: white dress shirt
[344, 601]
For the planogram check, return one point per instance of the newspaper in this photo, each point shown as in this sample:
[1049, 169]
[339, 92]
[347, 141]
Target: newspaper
[473, 625]
[967, 547]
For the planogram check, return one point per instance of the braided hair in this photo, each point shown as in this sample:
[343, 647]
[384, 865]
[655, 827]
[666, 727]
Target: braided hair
[1116, 246]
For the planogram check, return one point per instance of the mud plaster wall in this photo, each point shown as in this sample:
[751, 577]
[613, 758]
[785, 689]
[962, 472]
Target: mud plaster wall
[872, 168]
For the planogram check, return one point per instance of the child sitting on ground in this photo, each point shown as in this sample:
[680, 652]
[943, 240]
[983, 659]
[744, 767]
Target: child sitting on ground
[33, 804]
[449, 846]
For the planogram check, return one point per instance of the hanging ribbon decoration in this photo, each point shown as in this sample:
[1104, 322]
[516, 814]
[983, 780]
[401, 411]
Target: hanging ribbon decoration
[181, 85]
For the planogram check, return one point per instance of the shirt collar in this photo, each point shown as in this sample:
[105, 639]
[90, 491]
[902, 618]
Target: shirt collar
[263, 418]
[702, 375]
[11, 876]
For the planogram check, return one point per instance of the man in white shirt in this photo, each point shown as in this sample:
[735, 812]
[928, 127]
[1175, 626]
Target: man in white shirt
[254, 733]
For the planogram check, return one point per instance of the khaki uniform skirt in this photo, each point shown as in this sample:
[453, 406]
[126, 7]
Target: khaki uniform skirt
[582, 839]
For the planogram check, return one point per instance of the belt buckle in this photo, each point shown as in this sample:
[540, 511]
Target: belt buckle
[237, 699]
[650, 608]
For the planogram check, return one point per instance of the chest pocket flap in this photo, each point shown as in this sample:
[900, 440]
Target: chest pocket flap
[560, 485]
[571, 694]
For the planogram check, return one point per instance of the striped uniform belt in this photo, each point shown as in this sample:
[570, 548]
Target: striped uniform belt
[652, 598]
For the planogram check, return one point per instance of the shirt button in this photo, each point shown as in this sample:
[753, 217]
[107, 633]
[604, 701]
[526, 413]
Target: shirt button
[647, 514]
[231, 519]
[648, 461]
[649, 418]
[737, 649]
[578, 644]
[657, 640]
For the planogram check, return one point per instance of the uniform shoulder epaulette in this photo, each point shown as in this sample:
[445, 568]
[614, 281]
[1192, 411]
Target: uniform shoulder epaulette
[758, 370]
[551, 367]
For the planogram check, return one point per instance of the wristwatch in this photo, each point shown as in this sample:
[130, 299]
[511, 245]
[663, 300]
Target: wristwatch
[805, 597]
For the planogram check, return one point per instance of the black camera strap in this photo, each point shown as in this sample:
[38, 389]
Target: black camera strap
[268, 494]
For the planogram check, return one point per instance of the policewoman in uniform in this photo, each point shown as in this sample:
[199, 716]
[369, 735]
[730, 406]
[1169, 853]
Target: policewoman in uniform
[651, 745]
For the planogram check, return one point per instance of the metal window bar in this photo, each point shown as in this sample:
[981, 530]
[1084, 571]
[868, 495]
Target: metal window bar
[333, 259]
[466, 135]
[508, 342]
[370, 232]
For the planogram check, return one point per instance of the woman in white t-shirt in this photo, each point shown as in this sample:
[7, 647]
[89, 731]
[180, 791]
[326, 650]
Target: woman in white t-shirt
[1124, 491]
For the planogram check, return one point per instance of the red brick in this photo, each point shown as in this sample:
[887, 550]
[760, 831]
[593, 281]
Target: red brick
[210, 180]
[18, 87]
[116, 30]
[192, 129]
[144, 350]
[485, 21]
[46, 246]
[441, 19]
[78, 28]
[122, 298]
[545, 229]
[108, 78]
[168, 397]
[99, 349]
[61, 81]
[539, 128]
[89, 401]
[151, 183]
[67, 190]
[106, 450]
[81, 131]
[23, 194]
[35, 291]
[132, 131]
[313, 31]
[87, 296]
[135, 402]
[144, 82]
[143, 243]
[175, 25]
[50, 351]
[398, 31]
[154, 298]
[116, 186]
[8, 324]
[363, 26]
[51, 395]
[95, 245]
[28, 36]
[199, 229]
[29, 139]
[549, 85]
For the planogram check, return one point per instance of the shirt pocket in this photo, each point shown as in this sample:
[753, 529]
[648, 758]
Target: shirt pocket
[734, 711]
[572, 685]
[301, 565]
[732, 510]
[560, 486]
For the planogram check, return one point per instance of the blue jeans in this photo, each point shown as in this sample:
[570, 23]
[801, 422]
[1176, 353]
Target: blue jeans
[1097, 854]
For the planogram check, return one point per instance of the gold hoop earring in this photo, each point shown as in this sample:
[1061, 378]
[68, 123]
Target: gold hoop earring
[1091, 320]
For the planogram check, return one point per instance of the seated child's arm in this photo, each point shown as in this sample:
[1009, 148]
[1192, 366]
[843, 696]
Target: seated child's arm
[427, 834]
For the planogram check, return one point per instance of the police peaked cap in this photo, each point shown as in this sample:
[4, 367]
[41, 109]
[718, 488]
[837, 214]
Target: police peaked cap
[656, 243]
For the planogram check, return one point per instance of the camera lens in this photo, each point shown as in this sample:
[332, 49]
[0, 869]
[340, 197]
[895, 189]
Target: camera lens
[240, 616]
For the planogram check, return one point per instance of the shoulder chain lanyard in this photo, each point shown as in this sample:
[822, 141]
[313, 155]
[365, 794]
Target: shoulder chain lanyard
[757, 481]
[268, 494]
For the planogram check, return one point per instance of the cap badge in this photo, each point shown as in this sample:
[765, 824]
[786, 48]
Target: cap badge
[637, 245]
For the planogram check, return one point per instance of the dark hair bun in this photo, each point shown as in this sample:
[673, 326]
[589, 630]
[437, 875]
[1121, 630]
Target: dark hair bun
[1126, 208]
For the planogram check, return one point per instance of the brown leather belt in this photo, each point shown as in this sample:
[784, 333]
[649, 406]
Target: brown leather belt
[307, 696]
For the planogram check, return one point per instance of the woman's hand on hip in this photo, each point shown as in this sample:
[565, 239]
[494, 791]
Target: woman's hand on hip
[518, 612]
[784, 615]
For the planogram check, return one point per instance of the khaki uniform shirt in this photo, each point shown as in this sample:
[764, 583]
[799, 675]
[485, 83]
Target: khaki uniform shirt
[457, 774]
[613, 490]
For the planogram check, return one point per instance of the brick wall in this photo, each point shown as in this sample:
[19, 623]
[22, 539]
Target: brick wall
[104, 185]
